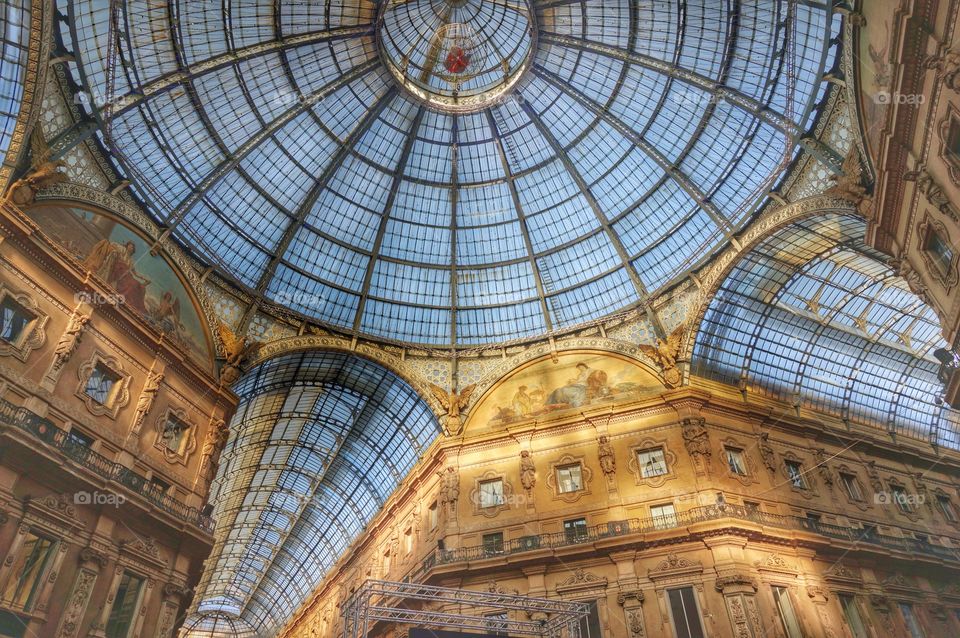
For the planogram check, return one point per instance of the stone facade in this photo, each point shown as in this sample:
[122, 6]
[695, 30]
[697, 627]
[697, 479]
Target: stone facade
[94, 476]
[732, 537]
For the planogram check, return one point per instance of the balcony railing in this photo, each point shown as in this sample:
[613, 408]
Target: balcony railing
[44, 430]
[557, 540]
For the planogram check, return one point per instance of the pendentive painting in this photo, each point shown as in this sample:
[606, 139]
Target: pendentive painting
[577, 380]
[121, 258]
[876, 80]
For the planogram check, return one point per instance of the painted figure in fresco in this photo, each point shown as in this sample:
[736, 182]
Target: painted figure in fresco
[588, 385]
[113, 262]
[166, 315]
[522, 403]
[575, 392]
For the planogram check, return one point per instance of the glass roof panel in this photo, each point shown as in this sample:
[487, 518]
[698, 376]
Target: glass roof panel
[814, 316]
[14, 36]
[320, 157]
[318, 444]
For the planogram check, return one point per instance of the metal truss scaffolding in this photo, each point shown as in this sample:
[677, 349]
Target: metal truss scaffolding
[434, 607]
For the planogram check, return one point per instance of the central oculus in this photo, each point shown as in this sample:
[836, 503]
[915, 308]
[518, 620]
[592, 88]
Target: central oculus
[456, 55]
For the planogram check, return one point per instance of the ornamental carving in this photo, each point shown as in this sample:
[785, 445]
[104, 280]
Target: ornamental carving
[151, 386]
[453, 404]
[77, 603]
[736, 580]
[949, 158]
[32, 335]
[176, 437]
[528, 473]
[651, 476]
[66, 345]
[608, 461]
[586, 474]
[767, 454]
[674, 565]
[216, 439]
[948, 278]
[449, 489]
[775, 563]
[237, 350]
[581, 580]
[664, 355]
[697, 441]
[118, 395]
[23, 192]
[826, 475]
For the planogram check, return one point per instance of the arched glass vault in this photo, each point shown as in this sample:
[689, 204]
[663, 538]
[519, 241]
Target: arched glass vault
[14, 37]
[814, 317]
[320, 441]
[272, 139]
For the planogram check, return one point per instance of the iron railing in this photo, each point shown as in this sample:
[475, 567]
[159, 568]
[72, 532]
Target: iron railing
[44, 430]
[606, 531]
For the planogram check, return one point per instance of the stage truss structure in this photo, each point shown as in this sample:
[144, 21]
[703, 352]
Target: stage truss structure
[432, 607]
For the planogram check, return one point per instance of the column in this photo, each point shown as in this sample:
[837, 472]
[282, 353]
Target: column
[91, 562]
[739, 597]
[169, 608]
[98, 630]
[7, 568]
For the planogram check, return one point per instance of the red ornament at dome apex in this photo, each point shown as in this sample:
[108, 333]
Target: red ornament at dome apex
[457, 60]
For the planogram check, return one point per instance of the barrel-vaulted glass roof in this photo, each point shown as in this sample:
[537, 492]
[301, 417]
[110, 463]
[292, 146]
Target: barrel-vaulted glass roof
[279, 142]
[318, 444]
[814, 317]
[14, 35]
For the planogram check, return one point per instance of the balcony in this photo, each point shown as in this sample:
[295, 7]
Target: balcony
[45, 431]
[557, 540]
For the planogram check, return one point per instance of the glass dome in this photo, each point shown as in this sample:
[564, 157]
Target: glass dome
[454, 172]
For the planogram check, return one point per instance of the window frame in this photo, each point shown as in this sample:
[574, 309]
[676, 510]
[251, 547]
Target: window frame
[480, 493]
[741, 459]
[134, 608]
[641, 465]
[576, 530]
[701, 630]
[667, 521]
[566, 467]
[16, 579]
[780, 593]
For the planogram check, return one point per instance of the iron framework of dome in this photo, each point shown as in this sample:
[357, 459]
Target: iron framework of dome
[621, 145]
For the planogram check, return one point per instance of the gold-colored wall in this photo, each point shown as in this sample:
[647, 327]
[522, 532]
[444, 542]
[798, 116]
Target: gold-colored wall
[731, 556]
[93, 500]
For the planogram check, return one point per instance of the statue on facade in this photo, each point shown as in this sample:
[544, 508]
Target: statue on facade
[528, 472]
[212, 447]
[449, 488]
[822, 468]
[608, 462]
[66, 346]
[23, 192]
[848, 184]
[236, 351]
[147, 396]
[697, 441]
[665, 353]
[766, 452]
[453, 403]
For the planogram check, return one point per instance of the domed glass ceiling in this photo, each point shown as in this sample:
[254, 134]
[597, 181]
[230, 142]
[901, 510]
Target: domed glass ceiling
[454, 171]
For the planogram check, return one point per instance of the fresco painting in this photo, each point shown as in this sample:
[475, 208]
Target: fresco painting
[577, 380]
[144, 283]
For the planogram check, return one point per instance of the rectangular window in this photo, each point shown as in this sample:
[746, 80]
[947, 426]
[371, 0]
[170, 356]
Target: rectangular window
[387, 562]
[491, 493]
[493, 543]
[569, 478]
[101, 383]
[432, 516]
[945, 505]
[590, 626]
[575, 530]
[910, 620]
[79, 438]
[13, 320]
[785, 609]
[795, 472]
[496, 624]
[408, 541]
[851, 486]
[29, 572]
[125, 604]
[652, 462]
[901, 498]
[940, 251]
[664, 516]
[684, 613]
[852, 614]
[735, 461]
[753, 509]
